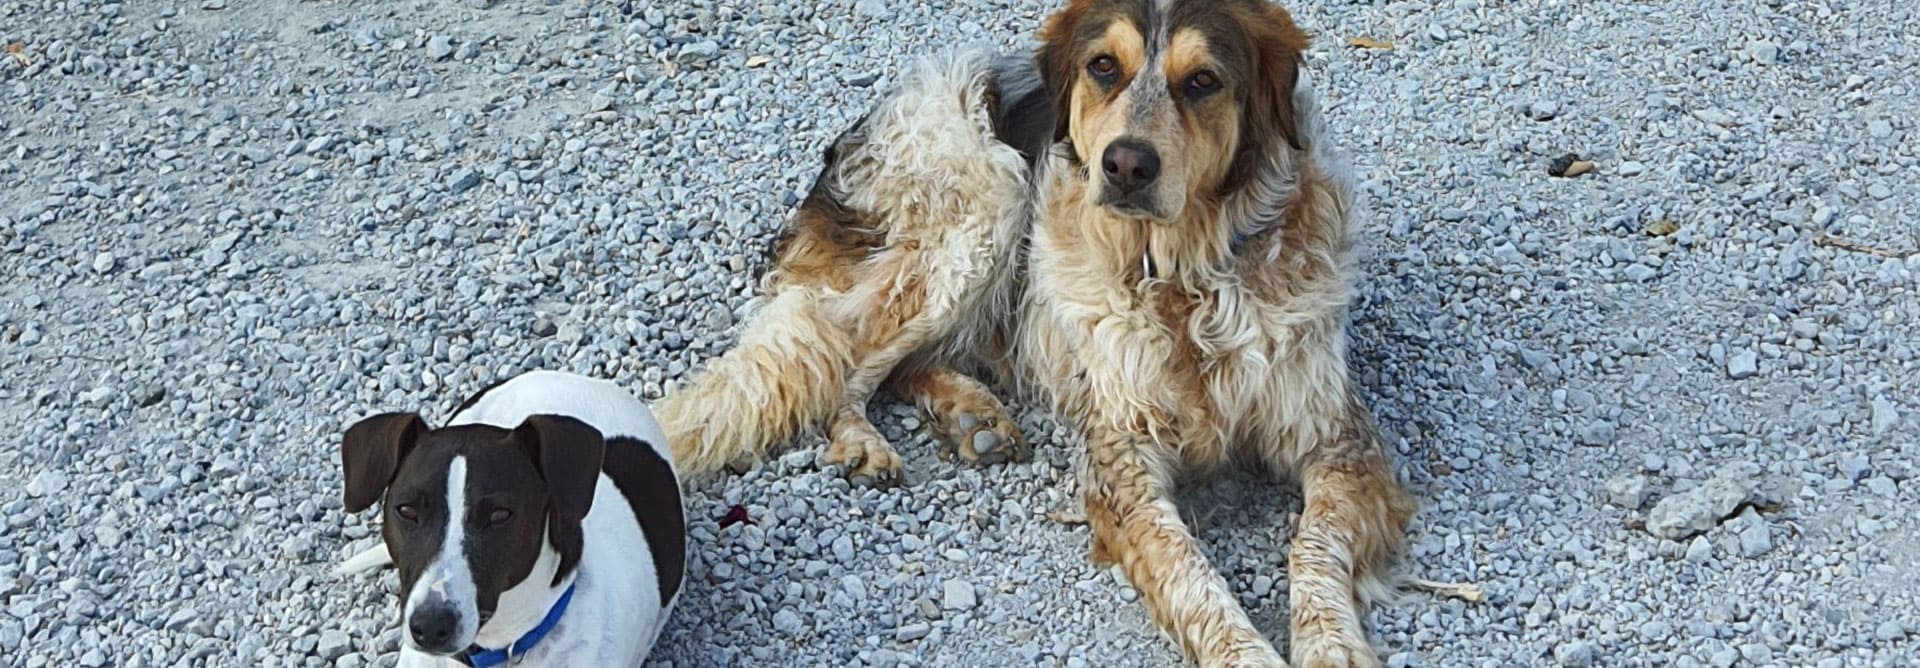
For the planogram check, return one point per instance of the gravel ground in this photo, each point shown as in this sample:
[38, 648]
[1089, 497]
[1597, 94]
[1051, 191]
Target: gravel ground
[231, 228]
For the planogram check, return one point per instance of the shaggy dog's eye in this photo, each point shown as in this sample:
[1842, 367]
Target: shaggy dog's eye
[1103, 69]
[1202, 84]
[499, 515]
[407, 512]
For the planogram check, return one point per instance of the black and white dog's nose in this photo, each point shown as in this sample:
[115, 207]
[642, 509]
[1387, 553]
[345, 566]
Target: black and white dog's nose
[433, 627]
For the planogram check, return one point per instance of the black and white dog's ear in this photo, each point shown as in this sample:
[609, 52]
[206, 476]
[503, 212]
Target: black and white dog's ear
[371, 452]
[569, 454]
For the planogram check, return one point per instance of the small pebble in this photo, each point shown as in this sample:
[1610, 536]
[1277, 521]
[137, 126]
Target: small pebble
[957, 595]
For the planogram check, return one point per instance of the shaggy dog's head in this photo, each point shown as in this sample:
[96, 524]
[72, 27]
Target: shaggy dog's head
[1166, 102]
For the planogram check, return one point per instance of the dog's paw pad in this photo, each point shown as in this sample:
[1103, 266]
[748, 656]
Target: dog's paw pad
[985, 443]
[982, 437]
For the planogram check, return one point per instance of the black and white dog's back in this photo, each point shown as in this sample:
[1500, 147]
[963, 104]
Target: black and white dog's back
[542, 524]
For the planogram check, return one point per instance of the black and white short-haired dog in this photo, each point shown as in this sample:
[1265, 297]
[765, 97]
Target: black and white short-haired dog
[542, 526]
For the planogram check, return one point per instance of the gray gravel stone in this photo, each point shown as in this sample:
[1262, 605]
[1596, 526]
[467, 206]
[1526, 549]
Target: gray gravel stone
[46, 483]
[1743, 365]
[957, 595]
[1578, 654]
[855, 589]
[1884, 417]
[788, 623]
[333, 645]
[912, 632]
[1597, 433]
[1627, 490]
[1699, 551]
[1889, 631]
[699, 52]
[439, 47]
[463, 181]
[1882, 487]
[99, 396]
[1856, 468]
[1755, 538]
[1544, 110]
[1697, 510]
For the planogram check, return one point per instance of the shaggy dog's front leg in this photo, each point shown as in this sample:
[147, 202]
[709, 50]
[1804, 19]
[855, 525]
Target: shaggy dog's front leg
[1136, 525]
[1352, 526]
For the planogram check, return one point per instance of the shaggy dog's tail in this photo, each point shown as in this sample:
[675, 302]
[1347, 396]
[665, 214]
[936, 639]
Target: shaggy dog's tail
[785, 374]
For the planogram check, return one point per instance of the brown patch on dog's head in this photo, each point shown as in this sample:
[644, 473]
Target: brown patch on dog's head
[1168, 101]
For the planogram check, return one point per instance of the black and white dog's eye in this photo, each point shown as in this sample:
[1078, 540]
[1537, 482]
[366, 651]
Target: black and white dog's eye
[499, 515]
[1103, 68]
[1202, 84]
[407, 512]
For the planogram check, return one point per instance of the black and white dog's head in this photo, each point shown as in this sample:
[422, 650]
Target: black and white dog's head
[472, 512]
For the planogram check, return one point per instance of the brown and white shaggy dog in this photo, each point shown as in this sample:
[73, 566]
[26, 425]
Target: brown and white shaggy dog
[1181, 299]
[1187, 295]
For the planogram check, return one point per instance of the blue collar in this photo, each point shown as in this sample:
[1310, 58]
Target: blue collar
[487, 658]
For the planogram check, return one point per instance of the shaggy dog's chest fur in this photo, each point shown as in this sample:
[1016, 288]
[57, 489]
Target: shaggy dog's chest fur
[1204, 343]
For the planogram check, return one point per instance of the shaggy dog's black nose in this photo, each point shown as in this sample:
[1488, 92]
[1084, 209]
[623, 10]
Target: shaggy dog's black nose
[1130, 164]
[433, 627]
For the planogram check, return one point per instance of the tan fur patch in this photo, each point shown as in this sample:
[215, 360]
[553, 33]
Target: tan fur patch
[1187, 53]
[1100, 114]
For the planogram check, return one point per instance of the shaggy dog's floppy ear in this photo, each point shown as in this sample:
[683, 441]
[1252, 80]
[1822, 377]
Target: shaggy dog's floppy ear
[1277, 44]
[1055, 60]
[1273, 72]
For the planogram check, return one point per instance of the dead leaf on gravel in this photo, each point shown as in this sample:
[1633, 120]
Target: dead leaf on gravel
[19, 52]
[1369, 43]
[1661, 228]
[1569, 165]
[757, 61]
